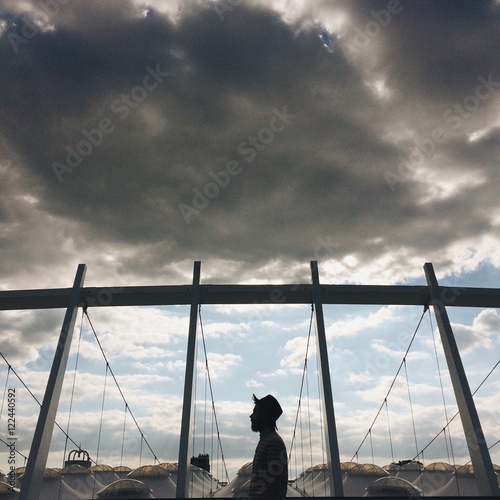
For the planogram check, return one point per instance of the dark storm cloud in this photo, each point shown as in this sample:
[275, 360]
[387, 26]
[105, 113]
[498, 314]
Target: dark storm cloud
[244, 139]
[431, 51]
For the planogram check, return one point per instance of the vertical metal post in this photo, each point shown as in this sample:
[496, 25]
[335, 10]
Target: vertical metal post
[478, 450]
[37, 460]
[187, 406]
[332, 446]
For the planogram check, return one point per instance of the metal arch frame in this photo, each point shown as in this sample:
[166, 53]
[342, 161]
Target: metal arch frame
[187, 403]
[39, 452]
[480, 456]
[196, 294]
[332, 444]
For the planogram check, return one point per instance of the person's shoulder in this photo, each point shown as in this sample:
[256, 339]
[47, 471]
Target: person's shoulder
[274, 437]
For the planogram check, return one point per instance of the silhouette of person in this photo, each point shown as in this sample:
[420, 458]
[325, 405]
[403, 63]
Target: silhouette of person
[269, 477]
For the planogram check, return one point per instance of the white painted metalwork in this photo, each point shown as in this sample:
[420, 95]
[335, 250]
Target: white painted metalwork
[196, 294]
[478, 450]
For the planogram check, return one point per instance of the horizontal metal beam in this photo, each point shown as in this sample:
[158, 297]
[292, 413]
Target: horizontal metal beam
[248, 294]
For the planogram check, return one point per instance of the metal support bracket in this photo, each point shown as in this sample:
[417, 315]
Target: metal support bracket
[187, 407]
[37, 459]
[479, 454]
[332, 446]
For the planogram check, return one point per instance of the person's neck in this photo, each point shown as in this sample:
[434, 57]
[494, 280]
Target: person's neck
[266, 430]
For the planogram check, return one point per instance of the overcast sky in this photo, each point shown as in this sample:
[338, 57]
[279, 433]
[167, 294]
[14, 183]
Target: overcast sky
[137, 137]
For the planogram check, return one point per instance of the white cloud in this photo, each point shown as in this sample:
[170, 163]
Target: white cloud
[439, 185]
[296, 349]
[381, 346]
[220, 329]
[355, 325]
[220, 365]
[276, 373]
[254, 383]
[483, 332]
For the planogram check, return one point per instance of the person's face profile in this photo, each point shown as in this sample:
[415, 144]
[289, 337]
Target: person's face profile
[256, 418]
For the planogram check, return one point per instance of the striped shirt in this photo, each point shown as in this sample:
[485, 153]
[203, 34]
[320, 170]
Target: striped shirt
[270, 468]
